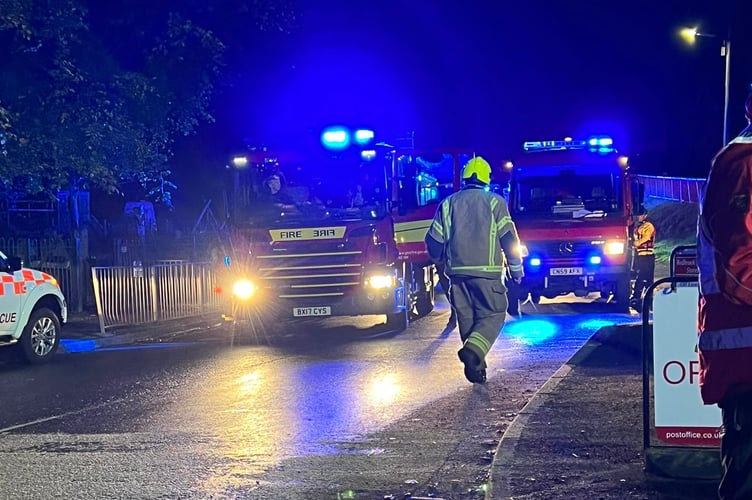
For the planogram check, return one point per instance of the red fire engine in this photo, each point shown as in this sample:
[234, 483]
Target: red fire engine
[344, 236]
[572, 202]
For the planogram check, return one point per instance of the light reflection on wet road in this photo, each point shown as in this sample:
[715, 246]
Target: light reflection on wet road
[245, 408]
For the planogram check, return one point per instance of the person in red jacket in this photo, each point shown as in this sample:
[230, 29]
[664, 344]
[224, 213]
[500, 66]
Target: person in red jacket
[724, 255]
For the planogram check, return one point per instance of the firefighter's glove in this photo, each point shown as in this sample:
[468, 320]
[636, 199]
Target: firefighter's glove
[518, 281]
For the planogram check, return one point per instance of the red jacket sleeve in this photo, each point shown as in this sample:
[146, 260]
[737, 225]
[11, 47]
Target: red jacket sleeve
[727, 216]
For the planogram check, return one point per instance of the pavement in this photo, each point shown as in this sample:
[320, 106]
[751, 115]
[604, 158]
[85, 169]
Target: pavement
[579, 436]
[82, 331]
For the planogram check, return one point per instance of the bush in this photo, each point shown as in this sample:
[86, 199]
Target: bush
[674, 221]
[675, 224]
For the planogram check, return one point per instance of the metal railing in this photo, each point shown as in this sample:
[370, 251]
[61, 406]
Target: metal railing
[137, 295]
[682, 189]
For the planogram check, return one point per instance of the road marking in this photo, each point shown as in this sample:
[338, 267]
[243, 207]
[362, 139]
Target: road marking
[56, 417]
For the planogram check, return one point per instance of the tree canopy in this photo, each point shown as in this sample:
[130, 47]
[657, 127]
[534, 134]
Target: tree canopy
[95, 95]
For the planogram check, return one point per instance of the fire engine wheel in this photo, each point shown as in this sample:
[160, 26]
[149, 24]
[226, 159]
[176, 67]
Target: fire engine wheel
[41, 336]
[513, 298]
[249, 327]
[621, 299]
[399, 321]
[424, 303]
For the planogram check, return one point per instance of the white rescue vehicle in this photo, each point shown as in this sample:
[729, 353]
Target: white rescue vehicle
[32, 310]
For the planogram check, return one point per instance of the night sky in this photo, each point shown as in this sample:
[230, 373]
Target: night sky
[488, 75]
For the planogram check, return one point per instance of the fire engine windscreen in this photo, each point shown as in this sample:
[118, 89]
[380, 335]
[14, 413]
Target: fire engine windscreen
[347, 185]
[572, 193]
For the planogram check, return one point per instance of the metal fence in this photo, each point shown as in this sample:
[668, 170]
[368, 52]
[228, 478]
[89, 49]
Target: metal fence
[56, 257]
[136, 295]
[682, 189]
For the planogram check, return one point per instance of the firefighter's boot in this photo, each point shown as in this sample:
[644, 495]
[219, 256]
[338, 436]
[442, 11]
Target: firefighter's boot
[474, 368]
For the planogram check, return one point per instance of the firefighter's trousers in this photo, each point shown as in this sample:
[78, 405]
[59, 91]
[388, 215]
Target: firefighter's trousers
[445, 284]
[736, 448]
[481, 305]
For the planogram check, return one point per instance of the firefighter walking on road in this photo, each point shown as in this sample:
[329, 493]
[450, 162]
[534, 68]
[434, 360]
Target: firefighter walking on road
[644, 260]
[468, 234]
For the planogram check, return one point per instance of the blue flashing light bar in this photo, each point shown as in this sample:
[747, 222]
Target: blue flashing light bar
[336, 138]
[364, 136]
[535, 262]
[601, 144]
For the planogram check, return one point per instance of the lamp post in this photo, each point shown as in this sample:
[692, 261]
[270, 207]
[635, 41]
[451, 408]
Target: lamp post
[691, 35]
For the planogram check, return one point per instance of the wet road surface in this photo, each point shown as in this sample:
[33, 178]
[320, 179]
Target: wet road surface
[201, 415]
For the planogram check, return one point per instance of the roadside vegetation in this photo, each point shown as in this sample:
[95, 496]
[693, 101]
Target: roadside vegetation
[675, 225]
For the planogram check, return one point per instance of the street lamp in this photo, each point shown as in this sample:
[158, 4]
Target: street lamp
[691, 35]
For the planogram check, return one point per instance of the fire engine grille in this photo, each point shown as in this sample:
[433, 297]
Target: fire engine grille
[316, 274]
[563, 249]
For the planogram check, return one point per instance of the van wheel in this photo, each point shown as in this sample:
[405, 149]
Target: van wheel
[41, 336]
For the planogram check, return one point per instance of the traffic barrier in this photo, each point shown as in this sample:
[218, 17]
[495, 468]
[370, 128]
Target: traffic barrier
[682, 189]
[132, 295]
[681, 439]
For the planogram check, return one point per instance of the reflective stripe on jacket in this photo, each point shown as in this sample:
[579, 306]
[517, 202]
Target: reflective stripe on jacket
[645, 238]
[724, 257]
[474, 227]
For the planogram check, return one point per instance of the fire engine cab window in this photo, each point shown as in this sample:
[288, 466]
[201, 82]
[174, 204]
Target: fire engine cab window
[569, 194]
[315, 187]
[431, 180]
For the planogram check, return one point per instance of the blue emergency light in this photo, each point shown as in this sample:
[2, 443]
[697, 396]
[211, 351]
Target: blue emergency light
[364, 136]
[336, 138]
[600, 144]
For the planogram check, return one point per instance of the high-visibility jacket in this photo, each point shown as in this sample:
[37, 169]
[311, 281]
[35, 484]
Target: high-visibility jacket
[724, 256]
[644, 238]
[472, 227]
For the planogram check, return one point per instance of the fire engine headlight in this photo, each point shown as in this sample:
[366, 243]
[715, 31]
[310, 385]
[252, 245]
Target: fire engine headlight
[614, 248]
[243, 289]
[380, 281]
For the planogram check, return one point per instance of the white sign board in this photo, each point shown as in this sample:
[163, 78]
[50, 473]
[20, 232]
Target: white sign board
[681, 418]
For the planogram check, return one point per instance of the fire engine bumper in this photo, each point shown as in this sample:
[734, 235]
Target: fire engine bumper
[605, 280]
[281, 306]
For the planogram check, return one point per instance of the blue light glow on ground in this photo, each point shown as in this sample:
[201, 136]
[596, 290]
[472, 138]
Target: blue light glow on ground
[531, 331]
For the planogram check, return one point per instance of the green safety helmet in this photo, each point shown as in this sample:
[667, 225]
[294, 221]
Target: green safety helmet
[479, 168]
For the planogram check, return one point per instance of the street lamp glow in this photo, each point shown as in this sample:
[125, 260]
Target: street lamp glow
[689, 35]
